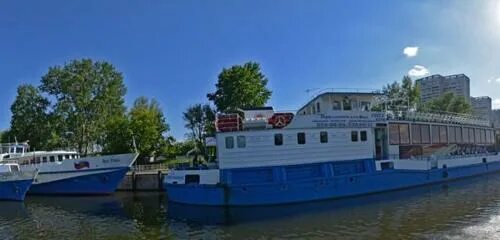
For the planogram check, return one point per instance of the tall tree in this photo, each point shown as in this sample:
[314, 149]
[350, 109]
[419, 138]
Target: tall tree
[29, 117]
[118, 135]
[448, 102]
[200, 121]
[401, 96]
[241, 86]
[148, 126]
[86, 94]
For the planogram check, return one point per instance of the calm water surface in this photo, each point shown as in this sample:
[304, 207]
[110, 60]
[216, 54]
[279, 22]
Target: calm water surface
[466, 209]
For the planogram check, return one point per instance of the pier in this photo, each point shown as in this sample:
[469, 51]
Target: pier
[144, 178]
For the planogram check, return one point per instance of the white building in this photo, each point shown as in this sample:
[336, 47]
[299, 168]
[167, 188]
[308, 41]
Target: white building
[434, 86]
[481, 107]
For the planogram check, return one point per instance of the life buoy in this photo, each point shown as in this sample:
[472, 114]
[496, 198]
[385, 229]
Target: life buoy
[280, 120]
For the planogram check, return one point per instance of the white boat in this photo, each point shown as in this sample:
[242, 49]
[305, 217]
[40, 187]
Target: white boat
[65, 172]
[333, 147]
[14, 183]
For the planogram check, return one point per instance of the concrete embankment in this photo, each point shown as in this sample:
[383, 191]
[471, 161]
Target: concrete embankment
[143, 181]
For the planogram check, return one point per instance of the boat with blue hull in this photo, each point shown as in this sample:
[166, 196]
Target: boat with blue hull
[66, 173]
[334, 147]
[14, 184]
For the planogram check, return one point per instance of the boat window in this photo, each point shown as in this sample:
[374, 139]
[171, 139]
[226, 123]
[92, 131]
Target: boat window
[451, 135]
[394, 134]
[443, 134]
[404, 134]
[19, 150]
[458, 135]
[52, 159]
[336, 105]
[354, 136]
[426, 135]
[317, 107]
[14, 168]
[416, 136]
[278, 139]
[229, 142]
[241, 141]
[483, 136]
[477, 135]
[66, 156]
[301, 138]
[465, 135]
[347, 104]
[59, 158]
[363, 136]
[44, 159]
[435, 134]
[323, 137]
[471, 135]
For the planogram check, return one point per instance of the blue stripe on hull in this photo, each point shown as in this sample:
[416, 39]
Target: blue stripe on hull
[282, 190]
[14, 190]
[91, 184]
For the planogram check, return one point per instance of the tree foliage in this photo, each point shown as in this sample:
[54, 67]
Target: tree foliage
[241, 86]
[148, 126]
[200, 121]
[448, 102]
[86, 95]
[29, 120]
[401, 95]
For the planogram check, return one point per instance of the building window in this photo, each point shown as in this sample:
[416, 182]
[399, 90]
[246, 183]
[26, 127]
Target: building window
[241, 141]
[363, 136]
[354, 136]
[229, 142]
[323, 137]
[278, 139]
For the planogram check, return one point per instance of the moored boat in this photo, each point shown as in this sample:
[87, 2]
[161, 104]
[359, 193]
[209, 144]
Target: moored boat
[333, 147]
[14, 183]
[66, 173]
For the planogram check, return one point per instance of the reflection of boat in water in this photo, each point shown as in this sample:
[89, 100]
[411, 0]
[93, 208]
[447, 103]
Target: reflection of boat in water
[88, 205]
[451, 200]
[12, 210]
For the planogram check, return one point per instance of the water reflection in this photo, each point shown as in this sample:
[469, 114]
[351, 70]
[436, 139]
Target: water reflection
[468, 208]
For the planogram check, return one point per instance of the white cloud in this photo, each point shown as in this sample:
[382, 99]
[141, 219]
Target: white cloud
[497, 80]
[418, 71]
[410, 51]
[494, 80]
[496, 103]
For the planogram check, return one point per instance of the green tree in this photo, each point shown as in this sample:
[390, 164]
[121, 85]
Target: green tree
[200, 121]
[448, 102]
[401, 96]
[118, 136]
[241, 86]
[148, 126]
[86, 94]
[29, 117]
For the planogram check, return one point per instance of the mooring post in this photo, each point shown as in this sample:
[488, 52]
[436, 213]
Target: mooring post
[134, 183]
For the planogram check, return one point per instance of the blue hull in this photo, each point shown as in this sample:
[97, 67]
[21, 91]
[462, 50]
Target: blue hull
[289, 184]
[91, 184]
[14, 190]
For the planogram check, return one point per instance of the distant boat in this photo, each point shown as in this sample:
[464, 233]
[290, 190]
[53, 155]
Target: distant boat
[14, 183]
[332, 147]
[66, 173]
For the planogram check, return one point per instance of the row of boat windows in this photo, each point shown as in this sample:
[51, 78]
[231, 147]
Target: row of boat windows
[301, 139]
[58, 158]
[426, 134]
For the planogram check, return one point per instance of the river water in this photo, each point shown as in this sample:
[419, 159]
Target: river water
[465, 209]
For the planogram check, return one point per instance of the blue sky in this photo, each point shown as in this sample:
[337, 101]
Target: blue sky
[174, 50]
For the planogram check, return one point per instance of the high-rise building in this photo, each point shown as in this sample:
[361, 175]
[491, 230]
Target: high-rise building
[434, 86]
[481, 107]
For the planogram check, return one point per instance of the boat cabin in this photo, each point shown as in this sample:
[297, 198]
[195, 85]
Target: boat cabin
[21, 153]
